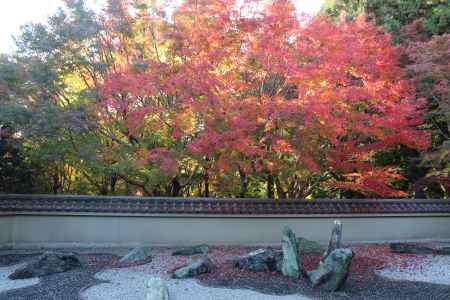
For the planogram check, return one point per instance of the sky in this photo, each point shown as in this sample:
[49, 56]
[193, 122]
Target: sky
[14, 13]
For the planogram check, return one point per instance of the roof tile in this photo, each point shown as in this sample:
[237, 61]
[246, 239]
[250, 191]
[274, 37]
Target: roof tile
[214, 206]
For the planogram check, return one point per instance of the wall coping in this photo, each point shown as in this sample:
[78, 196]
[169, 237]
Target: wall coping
[15, 204]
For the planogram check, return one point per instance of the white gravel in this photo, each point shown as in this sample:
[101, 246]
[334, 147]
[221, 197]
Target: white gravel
[129, 284]
[8, 284]
[431, 269]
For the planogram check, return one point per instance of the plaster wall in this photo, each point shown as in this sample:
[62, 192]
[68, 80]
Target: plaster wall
[31, 231]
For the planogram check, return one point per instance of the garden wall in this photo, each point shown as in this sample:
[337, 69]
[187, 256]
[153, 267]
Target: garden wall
[81, 221]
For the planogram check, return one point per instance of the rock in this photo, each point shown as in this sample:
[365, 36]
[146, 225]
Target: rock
[305, 245]
[156, 289]
[47, 264]
[199, 249]
[138, 254]
[291, 265]
[442, 251]
[335, 239]
[201, 266]
[409, 248]
[262, 260]
[332, 273]
[415, 249]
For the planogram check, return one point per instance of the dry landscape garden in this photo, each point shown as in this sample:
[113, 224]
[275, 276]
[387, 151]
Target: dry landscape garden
[162, 149]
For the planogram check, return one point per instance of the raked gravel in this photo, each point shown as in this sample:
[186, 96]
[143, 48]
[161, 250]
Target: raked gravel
[7, 284]
[402, 277]
[429, 268]
[129, 284]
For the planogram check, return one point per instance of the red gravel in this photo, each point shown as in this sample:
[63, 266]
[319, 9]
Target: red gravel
[385, 257]
[367, 258]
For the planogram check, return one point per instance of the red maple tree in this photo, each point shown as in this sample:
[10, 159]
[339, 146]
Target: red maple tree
[257, 90]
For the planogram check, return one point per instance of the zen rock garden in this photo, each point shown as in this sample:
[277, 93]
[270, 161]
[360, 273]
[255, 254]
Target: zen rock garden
[330, 274]
[297, 268]
[202, 150]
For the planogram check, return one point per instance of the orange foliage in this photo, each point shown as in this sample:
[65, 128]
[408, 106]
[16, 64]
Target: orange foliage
[267, 91]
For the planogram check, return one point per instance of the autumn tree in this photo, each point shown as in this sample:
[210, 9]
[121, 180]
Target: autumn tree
[273, 97]
[219, 98]
[421, 28]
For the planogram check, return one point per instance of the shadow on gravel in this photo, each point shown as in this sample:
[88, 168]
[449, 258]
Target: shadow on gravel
[374, 287]
[62, 286]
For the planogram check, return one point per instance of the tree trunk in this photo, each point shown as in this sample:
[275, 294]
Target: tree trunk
[206, 179]
[112, 185]
[280, 191]
[56, 183]
[270, 192]
[104, 190]
[175, 187]
[244, 183]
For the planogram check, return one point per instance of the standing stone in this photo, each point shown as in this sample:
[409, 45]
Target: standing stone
[332, 273]
[335, 239]
[291, 264]
[46, 264]
[201, 266]
[156, 290]
[136, 255]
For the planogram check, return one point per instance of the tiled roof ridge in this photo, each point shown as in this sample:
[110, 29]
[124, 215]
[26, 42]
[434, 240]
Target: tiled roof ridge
[216, 206]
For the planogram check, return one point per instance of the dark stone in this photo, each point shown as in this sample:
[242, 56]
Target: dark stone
[406, 248]
[262, 260]
[305, 245]
[442, 251]
[409, 248]
[194, 250]
[291, 265]
[47, 264]
[201, 266]
[333, 272]
[335, 239]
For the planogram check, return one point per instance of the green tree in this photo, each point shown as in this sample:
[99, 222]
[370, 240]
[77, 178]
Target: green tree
[394, 14]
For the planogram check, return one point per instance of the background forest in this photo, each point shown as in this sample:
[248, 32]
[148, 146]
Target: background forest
[230, 99]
